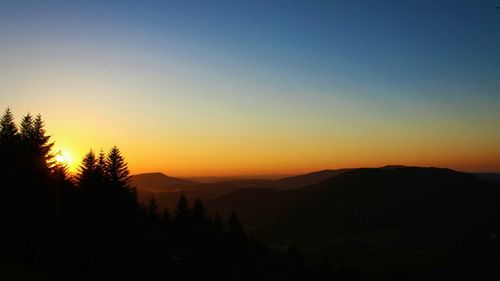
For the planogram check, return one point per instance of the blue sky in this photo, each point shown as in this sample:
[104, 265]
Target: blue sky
[330, 70]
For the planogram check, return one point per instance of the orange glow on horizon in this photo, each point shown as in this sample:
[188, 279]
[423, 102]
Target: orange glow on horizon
[187, 155]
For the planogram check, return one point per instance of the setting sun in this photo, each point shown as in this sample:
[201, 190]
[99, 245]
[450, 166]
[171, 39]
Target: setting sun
[62, 156]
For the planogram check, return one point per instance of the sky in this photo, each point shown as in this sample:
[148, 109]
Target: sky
[220, 88]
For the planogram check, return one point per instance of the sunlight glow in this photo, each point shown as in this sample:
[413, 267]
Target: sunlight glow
[63, 157]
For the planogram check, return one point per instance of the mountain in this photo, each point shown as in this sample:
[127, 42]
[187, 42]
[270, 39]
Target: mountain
[395, 222]
[305, 180]
[166, 190]
[159, 182]
[360, 201]
[204, 191]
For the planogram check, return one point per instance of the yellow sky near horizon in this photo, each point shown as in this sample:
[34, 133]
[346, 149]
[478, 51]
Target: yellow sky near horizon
[191, 154]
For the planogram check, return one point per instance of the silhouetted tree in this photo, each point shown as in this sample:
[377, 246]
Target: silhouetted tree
[87, 176]
[64, 191]
[9, 169]
[182, 211]
[42, 143]
[100, 166]
[118, 178]
[199, 212]
[117, 170]
[36, 146]
[152, 209]
[26, 128]
[9, 139]
[8, 128]
[234, 227]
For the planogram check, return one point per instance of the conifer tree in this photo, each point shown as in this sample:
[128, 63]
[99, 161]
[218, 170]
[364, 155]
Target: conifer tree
[152, 208]
[86, 176]
[234, 227]
[9, 137]
[100, 167]
[122, 196]
[9, 165]
[182, 211]
[27, 128]
[42, 141]
[8, 128]
[63, 187]
[117, 170]
[36, 146]
[199, 212]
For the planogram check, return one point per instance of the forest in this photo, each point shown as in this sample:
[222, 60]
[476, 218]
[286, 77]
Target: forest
[90, 226]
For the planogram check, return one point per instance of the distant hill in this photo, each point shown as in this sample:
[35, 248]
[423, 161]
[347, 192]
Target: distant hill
[204, 191]
[167, 190]
[305, 180]
[403, 200]
[159, 182]
[380, 219]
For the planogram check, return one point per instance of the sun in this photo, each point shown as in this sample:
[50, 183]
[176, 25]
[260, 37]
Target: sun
[63, 157]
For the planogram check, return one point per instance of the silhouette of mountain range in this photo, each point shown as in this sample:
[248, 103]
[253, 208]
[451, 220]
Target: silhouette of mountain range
[227, 193]
[159, 182]
[378, 205]
[370, 198]
[402, 214]
[305, 180]
[167, 190]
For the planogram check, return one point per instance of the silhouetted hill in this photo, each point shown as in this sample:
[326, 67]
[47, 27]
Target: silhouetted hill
[409, 200]
[412, 200]
[257, 206]
[379, 218]
[159, 182]
[167, 190]
[203, 191]
[306, 179]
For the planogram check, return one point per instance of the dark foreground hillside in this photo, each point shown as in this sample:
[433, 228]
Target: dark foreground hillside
[389, 222]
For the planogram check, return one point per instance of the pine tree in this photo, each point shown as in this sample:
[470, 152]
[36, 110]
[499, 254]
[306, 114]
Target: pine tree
[117, 170]
[199, 212]
[152, 209]
[63, 188]
[100, 166]
[36, 146]
[8, 129]
[9, 137]
[9, 166]
[60, 172]
[122, 195]
[234, 227]
[42, 142]
[182, 212]
[86, 176]
[27, 128]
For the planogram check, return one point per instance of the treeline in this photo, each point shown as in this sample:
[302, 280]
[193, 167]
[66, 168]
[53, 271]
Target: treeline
[91, 227]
